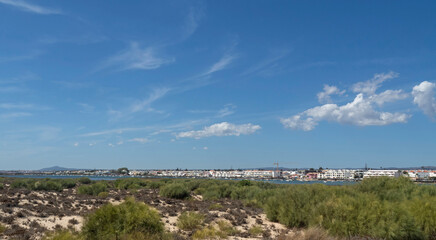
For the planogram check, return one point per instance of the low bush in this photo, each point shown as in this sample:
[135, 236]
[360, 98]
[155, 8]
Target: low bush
[209, 232]
[227, 228]
[255, 231]
[129, 218]
[103, 195]
[175, 190]
[2, 228]
[313, 234]
[215, 206]
[220, 230]
[62, 235]
[130, 183]
[84, 180]
[190, 221]
[93, 189]
[46, 184]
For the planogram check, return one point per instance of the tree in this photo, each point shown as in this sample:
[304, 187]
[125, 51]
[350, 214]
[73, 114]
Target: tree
[123, 170]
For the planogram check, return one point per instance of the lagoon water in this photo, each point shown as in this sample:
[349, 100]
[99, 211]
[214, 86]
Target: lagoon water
[96, 178]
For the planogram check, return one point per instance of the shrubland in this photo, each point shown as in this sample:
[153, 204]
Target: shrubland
[376, 208]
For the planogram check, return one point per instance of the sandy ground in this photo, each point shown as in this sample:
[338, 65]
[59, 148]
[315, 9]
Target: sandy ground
[28, 214]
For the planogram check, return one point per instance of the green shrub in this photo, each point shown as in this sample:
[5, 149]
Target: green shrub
[93, 189]
[423, 211]
[62, 235]
[68, 183]
[226, 228]
[128, 218]
[84, 180]
[103, 195]
[255, 231]
[130, 183]
[2, 228]
[46, 184]
[2, 186]
[313, 234]
[190, 221]
[215, 206]
[209, 232]
[175, 190]
[154, 184]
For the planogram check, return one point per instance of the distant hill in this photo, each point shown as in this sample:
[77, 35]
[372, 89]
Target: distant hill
[55, 168]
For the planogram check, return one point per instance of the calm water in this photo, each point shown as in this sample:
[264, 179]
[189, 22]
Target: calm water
[117, 177]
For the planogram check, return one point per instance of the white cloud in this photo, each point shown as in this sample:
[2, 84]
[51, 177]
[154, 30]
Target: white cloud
[76, 144]
[221, 64]
[16, 58]
[139, 140]
[15, 115]
[145, 104]
[221, 129]
[24, 6]
[424, 97]
[136, 57]
[370, 87]
[191, 23]
[140, 105]
[228, 109]
[15, 106]
[205, 148]
[324, 96]
[361, 111]
[388, 96]
[21, 106]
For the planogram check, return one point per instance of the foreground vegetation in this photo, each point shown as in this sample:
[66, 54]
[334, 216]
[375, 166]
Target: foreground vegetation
[381, 208]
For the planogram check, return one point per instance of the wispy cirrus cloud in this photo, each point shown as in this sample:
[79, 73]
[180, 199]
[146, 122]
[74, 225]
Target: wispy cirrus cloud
[28, 106]
[15, 115]
[191, 22]
[227, 110]
[221, 64]
[11, 89]
[137, 106]
[29, 7]
[15, 58]
[270, 62]
[136, 58]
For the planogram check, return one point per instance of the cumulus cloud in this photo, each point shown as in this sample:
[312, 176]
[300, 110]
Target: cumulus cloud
[324, 96]
[388, 96]
[221, 129]
[361, 111]
[370, 87]
[424, 97]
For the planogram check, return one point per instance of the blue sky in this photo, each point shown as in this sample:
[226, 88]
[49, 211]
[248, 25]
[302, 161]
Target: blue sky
[217, 84]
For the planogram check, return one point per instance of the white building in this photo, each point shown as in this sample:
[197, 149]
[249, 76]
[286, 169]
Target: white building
[346, 174]
[381, 173]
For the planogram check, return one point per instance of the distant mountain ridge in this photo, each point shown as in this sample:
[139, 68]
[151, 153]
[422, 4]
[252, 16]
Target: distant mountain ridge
[56, 168]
